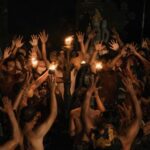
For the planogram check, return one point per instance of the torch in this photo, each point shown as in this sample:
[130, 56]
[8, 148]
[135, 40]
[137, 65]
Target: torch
[52, 68]
[34, 62]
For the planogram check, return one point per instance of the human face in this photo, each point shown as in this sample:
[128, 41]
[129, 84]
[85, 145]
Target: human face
[10, 65]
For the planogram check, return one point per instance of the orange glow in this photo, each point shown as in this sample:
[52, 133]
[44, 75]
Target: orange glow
[34, 62]
[83, 62]
[68, 41]
[99, 66]
[52, 67]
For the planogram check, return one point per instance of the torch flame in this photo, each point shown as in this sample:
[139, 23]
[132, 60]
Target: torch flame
[69, 40]
[52, 67]
[99, 66]
[83, 62]
[34, 62]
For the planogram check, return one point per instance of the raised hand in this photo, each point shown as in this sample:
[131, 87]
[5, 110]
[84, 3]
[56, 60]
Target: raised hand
[7, 52]
[52, 82]
[133, 47]
[99, 46]
[80, 37]
[18, 42]
[126, 110]
[43, 37]
[13, 44]
[114, 45]
[34, 40]
[128, 84]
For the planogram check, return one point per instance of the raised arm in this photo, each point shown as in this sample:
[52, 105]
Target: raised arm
[17, 136]
[80, 37]
[35, 84]
[47, 124]
[133, 129]
[118, 57]
[91, 36]
[34, 43]
[44, 37]
[145, 62]
[99, 103]
[17, 44]
[86, 109]
[117, 37]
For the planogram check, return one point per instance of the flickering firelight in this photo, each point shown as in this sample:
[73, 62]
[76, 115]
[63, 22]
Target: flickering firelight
[68, 41]
[52, 67]
[99, 66]
[34, 62]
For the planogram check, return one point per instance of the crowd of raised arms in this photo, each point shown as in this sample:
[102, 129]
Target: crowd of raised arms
[109, 89]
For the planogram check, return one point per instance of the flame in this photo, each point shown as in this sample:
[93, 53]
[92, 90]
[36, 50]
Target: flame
[52, 66]
[83, 62]
[34, 62]
[69, 40]
[99, 66]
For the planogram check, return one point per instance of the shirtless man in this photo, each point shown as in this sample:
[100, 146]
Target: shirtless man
[35, 135]
[76, 128]
[126, 136]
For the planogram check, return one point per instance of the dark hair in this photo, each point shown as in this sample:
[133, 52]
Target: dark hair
[115, 145]
[28, 113]
[11, 58]
[111, 117]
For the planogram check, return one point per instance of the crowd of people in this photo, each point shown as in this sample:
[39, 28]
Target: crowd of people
[109, 101]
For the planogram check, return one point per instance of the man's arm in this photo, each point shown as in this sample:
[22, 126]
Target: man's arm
[34, 43]
[45, 126]
[44, 37]
[133, 129]
[35, 84]
[91, 36]
[85, 109]
[99, 103]
[17, 136]
[80, 37]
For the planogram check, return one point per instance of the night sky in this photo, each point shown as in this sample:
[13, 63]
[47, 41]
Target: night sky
[32, 15]
[56, 16]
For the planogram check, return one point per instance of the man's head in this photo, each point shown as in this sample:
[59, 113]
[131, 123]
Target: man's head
[10, 64]
[29, 116]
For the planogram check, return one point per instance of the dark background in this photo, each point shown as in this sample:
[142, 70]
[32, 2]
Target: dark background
[58, 17]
